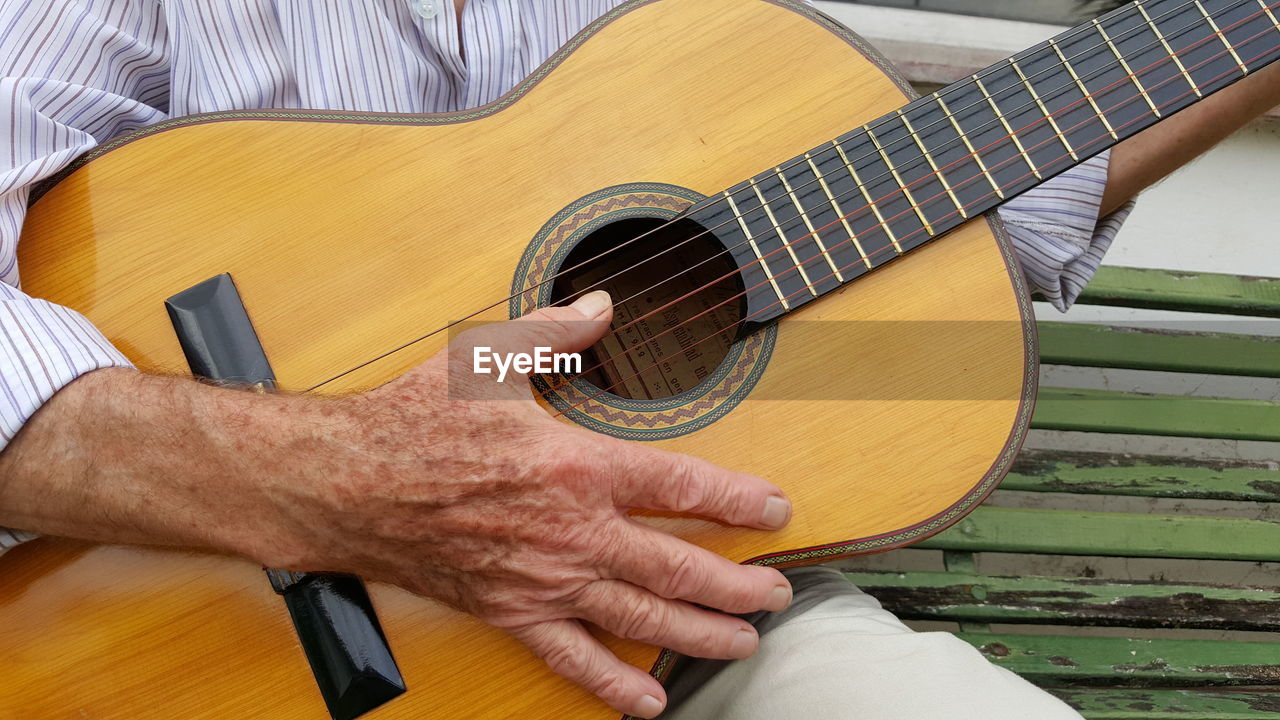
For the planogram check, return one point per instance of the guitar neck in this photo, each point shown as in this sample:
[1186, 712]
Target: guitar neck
[824, 218]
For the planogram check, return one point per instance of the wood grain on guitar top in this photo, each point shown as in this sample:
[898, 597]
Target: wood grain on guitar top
[348, 238]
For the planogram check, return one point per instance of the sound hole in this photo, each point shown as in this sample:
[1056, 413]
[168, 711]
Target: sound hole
[675, 313]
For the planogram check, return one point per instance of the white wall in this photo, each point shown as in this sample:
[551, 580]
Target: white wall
[1220, 213]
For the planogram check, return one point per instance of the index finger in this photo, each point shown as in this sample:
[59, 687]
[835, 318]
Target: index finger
[659, 480]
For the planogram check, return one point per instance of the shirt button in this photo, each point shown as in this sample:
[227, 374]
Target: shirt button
[427, 9]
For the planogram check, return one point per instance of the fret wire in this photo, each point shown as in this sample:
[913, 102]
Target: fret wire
[754, 248]
[604, 390]
[1267, 9]
[969, 146]
[1127, 123]
[844, 219]
[916, 208]
[433, 332]
[1088, 96]
[1084, 90]
[1172, 55]
[777, 228]
[870, 203]
[1124, 64]
[805, 217]
[1130, 75]
[906, 191]
[1014, 136]
[1218, 31]
[1107, 39]
[945, 185]
[1101, 31]
[1048, 115]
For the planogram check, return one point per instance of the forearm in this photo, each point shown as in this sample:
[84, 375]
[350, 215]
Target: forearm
[1144, 159]
[121, 456]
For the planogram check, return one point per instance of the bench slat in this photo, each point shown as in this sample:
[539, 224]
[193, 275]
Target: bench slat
[1170, 705]
[972, 597]
[1090, 661]
[1099, 704]
[1089, 345]
[1066, 532]
[1129, 662]
[1175, 290]
[1142, 414]
[1108, 474]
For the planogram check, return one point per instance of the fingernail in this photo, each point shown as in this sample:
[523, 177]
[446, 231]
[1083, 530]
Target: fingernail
[744, 644]
[779, 598]
[593, 304]
[776, 512]
[648, 707]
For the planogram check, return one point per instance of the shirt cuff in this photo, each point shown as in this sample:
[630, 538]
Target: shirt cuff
[43, 347]
[1056, 231]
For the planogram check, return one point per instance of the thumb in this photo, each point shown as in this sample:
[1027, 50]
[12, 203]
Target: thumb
[561, 329]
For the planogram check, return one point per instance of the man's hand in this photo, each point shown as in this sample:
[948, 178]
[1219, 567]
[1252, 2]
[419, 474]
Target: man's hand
[495, 508]
[487, 504]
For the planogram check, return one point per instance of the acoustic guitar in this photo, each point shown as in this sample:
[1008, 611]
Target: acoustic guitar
[762, 194]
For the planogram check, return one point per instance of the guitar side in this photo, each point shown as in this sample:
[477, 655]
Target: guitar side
[348, 234]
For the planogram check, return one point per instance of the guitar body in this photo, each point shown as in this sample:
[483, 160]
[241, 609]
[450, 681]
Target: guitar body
[881, 413]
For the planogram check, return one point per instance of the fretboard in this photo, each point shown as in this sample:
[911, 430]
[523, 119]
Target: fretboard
[824, 218]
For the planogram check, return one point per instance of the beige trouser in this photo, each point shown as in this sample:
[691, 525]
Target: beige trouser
[835, 654]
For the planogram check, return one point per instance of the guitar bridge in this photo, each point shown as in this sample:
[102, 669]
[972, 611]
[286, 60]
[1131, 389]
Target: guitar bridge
[332, 613]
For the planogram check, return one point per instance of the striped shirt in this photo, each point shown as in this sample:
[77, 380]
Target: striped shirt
[74, 73]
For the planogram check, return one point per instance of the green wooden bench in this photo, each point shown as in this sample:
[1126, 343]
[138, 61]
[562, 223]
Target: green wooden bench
[1178, 671]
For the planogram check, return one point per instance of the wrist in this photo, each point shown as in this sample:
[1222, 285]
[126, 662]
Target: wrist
[292, 457]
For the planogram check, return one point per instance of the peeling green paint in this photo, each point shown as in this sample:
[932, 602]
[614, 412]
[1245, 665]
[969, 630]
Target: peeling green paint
[1099, 704]
[1077, 601]
[1078, 661]
[1069, 532]
[1144, 476]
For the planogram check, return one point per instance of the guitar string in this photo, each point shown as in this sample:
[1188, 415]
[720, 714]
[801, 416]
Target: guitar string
[699, 342]
[912, 208]
[918, 134]
[884, 223]
[640, 372]
[718, 200]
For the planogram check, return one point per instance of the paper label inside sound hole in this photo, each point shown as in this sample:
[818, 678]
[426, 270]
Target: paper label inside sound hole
[667, 335]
